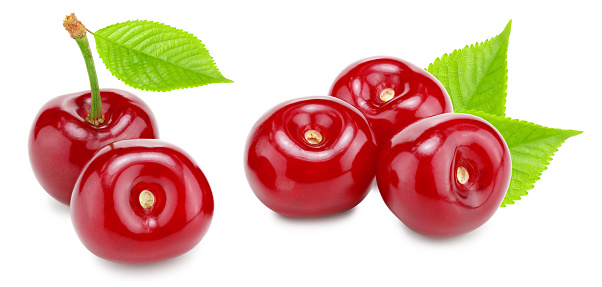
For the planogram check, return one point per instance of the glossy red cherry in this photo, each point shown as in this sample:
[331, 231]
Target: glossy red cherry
[445, 175]
[62, 141]
[391, 93]
[141, 201]
[311, 157]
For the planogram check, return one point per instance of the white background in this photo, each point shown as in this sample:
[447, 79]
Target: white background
[279, 50]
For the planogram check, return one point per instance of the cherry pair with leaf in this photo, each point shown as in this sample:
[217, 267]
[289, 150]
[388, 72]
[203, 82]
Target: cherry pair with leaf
[442, 174]
[445, 175]
[69, 130]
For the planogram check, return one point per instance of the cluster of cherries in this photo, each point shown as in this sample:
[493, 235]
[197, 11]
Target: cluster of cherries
[441, 173]
[133, 199]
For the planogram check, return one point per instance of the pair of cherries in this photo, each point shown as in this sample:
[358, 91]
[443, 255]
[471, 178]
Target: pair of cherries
[133, 198]
[442, 174]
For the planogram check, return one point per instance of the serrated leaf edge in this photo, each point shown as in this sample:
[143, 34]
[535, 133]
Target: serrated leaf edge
[218, 80]
[476, 45]
[510, 199]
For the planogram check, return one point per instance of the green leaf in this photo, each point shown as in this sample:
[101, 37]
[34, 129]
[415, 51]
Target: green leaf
[156, 57]
[531, 149]
[476, 76]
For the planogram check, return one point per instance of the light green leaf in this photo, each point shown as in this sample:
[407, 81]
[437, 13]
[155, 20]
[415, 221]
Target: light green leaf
[156, 57]
[531, 149]
[476, 76]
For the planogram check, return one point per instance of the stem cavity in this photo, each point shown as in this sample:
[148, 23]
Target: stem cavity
[387, 94]
[462, 175]
[77, 31]
[313, 137]
[147, 199]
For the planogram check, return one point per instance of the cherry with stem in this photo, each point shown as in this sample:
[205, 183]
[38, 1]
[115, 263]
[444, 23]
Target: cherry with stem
[69, 129]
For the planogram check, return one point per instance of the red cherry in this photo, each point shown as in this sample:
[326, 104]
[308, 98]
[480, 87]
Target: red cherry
[311, 157]
[445, 175]
[391, 93]
[61, 141]
[141, 201]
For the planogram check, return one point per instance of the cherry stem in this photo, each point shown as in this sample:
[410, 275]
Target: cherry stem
[78, 32]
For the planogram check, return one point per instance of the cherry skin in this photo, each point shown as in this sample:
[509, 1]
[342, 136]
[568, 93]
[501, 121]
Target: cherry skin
[391, 93]
[311, 157]
[445, 175]
[141, 201]
[61, 141]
